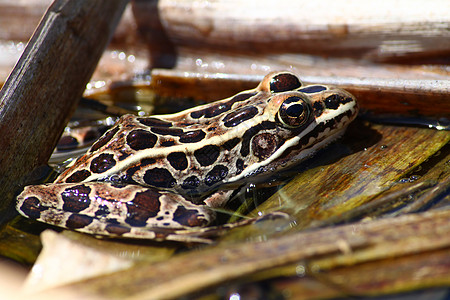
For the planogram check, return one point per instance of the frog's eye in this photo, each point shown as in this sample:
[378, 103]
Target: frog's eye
[283, 82]
[294, 112]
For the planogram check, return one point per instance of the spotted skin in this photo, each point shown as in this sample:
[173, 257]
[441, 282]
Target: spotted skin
[130, 206]
[154, 177]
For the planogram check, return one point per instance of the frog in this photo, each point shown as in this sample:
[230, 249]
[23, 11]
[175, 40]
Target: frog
[160, 176]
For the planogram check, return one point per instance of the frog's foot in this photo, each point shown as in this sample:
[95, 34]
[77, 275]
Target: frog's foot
[95, 208]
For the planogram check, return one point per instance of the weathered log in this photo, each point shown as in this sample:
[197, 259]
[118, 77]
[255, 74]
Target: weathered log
[330, 248]
[364, 29]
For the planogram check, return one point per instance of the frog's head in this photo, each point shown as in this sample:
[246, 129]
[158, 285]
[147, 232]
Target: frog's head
[297, 121]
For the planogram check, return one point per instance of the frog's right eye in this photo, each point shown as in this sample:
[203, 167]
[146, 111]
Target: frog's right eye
[294, 112]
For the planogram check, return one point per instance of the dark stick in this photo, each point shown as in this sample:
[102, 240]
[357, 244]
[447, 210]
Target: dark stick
[44, 88]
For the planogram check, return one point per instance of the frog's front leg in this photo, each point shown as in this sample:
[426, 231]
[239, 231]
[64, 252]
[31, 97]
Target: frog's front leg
[109, 209]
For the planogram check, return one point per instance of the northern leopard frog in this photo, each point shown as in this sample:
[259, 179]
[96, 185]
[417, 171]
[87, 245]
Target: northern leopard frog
[151, 177]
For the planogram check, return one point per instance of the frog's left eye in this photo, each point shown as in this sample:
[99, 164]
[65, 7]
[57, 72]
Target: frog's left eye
[294, 112]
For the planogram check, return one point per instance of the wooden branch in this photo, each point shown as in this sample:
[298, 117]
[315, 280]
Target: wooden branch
[330, 249]
[43, 89]
[413, 29]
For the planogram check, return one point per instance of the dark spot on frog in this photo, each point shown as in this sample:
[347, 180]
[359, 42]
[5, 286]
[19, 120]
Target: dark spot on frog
[123, 155]
[76, 198]
[192, 136]
[113, 221]
[159, 177]
[192, 182]
[239, 166]
[76, 221]
[167, 131]
[140, 139]
[313, 89]
[333, 101]
[251, 132]
[178, 160]
[78, 176]
[154, 122]
[240, 115]
[217, 174]
[263, 145]
[117, 229]
[318, 108]
[145, 205]
[102, 163]
[189, 217]
[147, 162]
[32, 207]
[284, 82]
[230, 144]
[347, 100]
[207, 155]
[103, 140]
[102, 211]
